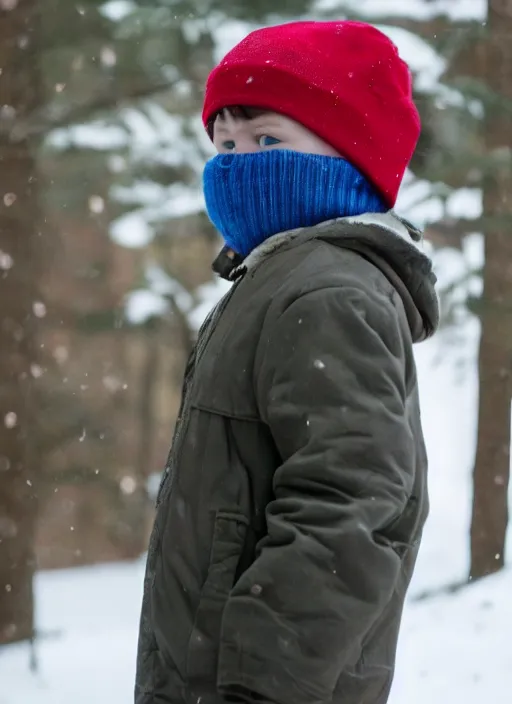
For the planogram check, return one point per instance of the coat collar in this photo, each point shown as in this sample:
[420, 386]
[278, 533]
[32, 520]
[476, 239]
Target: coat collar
[389, 241]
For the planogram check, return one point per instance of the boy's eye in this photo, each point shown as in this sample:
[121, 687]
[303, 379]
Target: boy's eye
[229, 144]
[268, 141]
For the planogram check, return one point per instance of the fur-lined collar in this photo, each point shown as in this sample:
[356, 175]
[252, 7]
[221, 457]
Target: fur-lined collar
[231, 266]
[391, 242]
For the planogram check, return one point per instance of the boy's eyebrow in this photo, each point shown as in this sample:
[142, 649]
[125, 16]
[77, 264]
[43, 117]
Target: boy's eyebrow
[246, 114]
[241, 113]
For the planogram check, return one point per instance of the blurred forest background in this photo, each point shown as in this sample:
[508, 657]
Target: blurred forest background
[105, 250]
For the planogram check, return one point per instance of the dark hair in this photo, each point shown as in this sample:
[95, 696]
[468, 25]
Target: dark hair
[242, 112]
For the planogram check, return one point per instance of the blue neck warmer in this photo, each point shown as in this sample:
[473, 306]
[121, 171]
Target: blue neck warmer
[250, 197]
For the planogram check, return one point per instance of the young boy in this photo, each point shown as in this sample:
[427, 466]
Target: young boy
[295, 493]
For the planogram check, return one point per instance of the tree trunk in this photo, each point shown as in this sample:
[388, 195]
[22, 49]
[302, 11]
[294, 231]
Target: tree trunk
[19, 309]
[492, 462]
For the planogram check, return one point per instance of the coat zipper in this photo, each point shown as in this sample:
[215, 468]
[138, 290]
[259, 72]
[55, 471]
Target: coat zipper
[205, 333]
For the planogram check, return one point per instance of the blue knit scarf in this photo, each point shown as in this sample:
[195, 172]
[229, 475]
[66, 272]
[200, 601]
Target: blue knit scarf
[250, 197]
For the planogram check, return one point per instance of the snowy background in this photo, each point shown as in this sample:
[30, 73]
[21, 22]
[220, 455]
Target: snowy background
[454, 645]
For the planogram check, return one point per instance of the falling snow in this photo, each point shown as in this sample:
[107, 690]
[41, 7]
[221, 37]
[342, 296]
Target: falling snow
[39, 309]
[36, 370]
[7, 113]
[96, 204]
[10, 419]
[108, 56]
[61, 354]
[473, 626]
[6, 261]
[8, 4]
[9, 199]
[128, 485]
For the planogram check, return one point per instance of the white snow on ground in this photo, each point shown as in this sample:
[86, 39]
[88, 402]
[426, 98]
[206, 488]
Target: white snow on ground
[453, 648]
[91, 616]
[456, 648]
[448, 401]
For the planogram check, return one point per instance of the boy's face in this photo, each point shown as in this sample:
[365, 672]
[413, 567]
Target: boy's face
[247, 130]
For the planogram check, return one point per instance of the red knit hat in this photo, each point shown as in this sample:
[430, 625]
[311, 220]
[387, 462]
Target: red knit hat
[342, 80]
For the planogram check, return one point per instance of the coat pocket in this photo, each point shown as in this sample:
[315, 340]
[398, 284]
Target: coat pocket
[229, 536]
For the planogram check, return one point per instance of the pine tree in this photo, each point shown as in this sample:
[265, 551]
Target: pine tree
[82, 84]
[492, 462]
[21, 307]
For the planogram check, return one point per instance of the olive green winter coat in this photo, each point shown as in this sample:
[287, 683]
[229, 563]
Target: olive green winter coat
[292, 505]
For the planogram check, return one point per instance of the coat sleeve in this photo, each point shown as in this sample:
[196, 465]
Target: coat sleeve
[331, 387]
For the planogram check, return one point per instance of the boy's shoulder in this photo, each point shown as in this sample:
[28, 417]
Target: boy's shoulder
[377, 254]
[312, 263]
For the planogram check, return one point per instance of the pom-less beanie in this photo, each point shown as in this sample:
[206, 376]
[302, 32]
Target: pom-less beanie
[344, 81]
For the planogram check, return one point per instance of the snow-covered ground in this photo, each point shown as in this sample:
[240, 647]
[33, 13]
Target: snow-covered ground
[453, 647]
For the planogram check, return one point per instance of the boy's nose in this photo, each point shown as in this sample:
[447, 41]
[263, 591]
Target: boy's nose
[247, 145]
